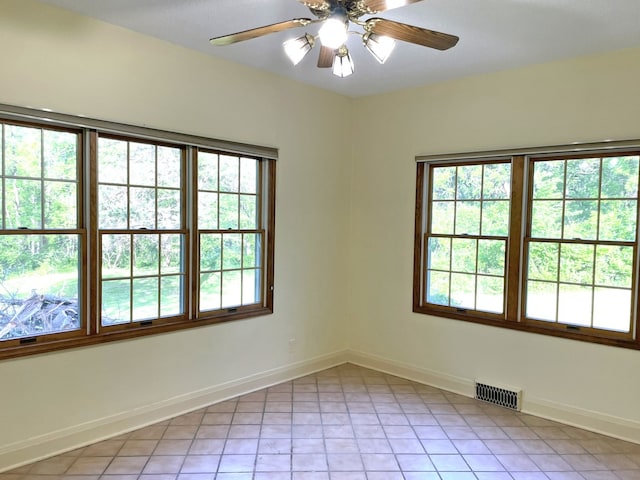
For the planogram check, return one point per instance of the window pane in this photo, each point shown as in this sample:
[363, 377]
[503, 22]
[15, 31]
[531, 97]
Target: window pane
[611, 309]
[463, 255]
[620, 177]
[229, 210]
[40, 284]
[495, 218]
[439, 254]
[438, 287]
[116, 256]
[248, 175]
[116, 302]
[496, 183]
[60, 205]
[145, 255]
[574, 305]
[210, 291]
[618, 220]
[231, 289]
[248, 212]
[546, 221]
[614, 266]
[490, 296]
[142, 205]
[543, 261]
[548, 179]
[113, 208]
[542, 300]
[210, 252]
[171, 296]
[171, 248]
[169, 167]
[442, 215]
[23, 204]
[229, 174]
[60, 154]
[145, 299]
[112, 161]
[23, 151]
[207, 210]
[142, 164]
[463, 289]
[469, 184]
[444, 183]
[251, 250]
[232, 251]
[207, 171]
[581, 219]
[583, 178]
[467, 218]
[250, 286]
[168, 209]
[576, 263]
[491, 257]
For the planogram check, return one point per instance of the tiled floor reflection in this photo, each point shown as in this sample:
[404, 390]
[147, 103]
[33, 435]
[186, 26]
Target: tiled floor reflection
[348, 423]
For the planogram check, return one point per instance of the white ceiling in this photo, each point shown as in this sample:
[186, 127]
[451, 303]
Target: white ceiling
[494, 35]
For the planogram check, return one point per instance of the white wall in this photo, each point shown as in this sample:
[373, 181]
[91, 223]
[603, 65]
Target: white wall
[75, 65]
[588, 99]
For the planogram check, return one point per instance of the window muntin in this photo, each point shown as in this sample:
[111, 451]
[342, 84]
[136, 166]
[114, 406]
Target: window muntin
[467, 235]
[141, 231]
[582, 241]
[41, 240]
[230, 231]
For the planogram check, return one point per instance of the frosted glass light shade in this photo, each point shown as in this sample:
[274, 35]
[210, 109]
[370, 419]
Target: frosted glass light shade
[379, 46]
[343, 63]
[297, 48]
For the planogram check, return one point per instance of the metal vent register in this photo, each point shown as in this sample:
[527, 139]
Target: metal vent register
[501, 396]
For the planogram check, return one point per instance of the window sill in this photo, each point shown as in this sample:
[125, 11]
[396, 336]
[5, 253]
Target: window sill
[554, 330]
[43, 344]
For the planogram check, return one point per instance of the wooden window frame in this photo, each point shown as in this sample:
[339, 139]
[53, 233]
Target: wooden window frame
[91, 332]
[519, 234]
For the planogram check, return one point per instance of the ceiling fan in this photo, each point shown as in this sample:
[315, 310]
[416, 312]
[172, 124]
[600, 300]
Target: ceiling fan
[336, 16]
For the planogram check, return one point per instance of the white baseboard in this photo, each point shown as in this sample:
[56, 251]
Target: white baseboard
[64, 440]
[610, 425]
[54, 443]
[446, 382]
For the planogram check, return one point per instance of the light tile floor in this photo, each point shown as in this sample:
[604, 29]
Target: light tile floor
[348, 423]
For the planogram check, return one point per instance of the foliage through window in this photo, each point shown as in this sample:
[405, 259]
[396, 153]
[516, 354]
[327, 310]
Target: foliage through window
[545, 243]
[114, 234]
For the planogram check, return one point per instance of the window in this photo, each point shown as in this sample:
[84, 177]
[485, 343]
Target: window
[41, 237]
[230, 231]
[109, 235]
[542, 242]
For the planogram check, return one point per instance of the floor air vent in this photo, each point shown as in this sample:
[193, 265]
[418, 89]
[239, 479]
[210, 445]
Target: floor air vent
[501, 396]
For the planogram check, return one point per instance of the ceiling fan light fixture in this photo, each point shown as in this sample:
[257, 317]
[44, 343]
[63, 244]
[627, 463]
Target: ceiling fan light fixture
[297, 48]
[342, 63]
[379, 46]
[333, 32]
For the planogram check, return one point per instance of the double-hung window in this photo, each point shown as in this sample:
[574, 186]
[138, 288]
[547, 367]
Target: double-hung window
[539, 241]
[109, 231]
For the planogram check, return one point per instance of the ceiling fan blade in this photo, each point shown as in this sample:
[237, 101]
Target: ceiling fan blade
[411, 34]
[377, 6]
[325, 59]
[260, 31]
[316, 4]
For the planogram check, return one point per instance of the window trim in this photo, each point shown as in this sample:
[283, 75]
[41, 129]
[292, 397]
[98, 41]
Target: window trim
[90, 331]
[515, 249]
